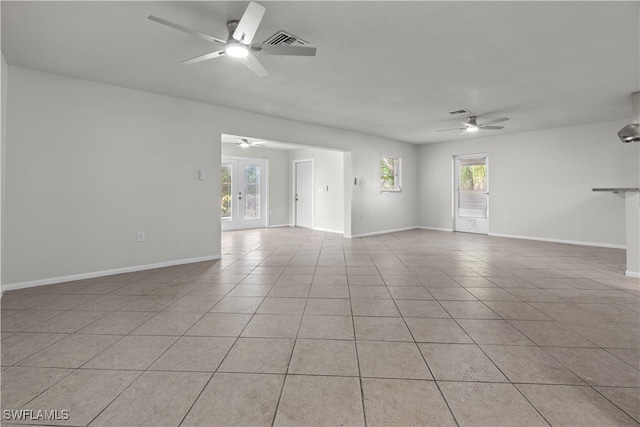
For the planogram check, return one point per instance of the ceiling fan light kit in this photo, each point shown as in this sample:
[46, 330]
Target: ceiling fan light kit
[236, 50]
[238, 43]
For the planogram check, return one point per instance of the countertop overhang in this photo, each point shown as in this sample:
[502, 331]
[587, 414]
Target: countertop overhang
[617, 190]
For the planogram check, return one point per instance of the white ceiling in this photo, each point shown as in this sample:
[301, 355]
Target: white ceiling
[393, 69]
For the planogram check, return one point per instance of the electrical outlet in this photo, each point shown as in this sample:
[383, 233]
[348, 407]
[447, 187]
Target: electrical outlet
[507, 218]
[140, 236]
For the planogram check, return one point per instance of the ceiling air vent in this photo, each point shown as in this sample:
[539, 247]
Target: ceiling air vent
[458, 112]
[285, 38]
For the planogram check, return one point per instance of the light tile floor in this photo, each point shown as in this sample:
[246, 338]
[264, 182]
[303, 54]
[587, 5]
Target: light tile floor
[294, 327]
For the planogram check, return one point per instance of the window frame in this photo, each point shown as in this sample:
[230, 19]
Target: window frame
[397, 176]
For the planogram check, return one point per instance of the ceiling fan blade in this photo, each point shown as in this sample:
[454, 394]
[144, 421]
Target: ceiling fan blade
[252, 63]
[268, 49]
[249, 23]
[204, 57]
[491, 122]
[188, 30]
[491, 127]
[447, 130]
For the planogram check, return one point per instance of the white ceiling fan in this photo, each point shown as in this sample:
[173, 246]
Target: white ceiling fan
[471, 125]
[247, 143]
[238, 43]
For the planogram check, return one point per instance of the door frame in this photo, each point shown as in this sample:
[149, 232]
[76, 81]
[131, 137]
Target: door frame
[265, 222]
[294, 185]
[456, 185]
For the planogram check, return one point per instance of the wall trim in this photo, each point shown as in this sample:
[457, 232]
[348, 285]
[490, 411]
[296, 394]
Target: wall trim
[632, 274]
[94, 274]
[436, 229]
[327, 230]
[279, 225]
[568, 242]
[375, 233]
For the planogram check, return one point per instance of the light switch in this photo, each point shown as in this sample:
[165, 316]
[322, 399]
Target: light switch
[201, 175]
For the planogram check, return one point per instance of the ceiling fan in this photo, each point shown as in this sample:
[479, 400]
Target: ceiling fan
[238, 43]
[471, 125]
[246, 143]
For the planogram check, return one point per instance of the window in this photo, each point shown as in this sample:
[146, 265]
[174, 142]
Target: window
[390, 177]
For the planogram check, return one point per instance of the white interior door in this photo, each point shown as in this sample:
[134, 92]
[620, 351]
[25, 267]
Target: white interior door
[472, 193]
[244, 201]
[304, 193]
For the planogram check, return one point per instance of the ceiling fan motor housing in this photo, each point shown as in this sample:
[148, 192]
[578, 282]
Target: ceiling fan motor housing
[231, 26]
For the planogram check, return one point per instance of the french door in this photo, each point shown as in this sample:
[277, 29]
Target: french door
[472, 193]
[243, 195]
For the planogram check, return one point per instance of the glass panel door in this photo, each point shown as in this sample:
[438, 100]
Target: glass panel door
[471, 193]
[227, 193]
[472, 188]
[252, 192]
[243, 189]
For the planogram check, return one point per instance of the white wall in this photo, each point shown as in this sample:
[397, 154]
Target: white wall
[542, 180]
[371, 210]
[328, 173]
[91, 164]
[278, 191]
[4, 75]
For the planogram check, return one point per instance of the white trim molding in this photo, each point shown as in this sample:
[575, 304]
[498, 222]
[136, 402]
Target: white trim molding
[375, 233]
[94, 274]
[327, 230]
[436, 229]
[568, 242]
[632, 274]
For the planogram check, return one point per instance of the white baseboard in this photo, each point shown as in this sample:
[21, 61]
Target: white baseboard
[375, 233]
[568, 242]
[436, 229]
[279, 225]
[632, 274]
[327, 230]
[94, 274]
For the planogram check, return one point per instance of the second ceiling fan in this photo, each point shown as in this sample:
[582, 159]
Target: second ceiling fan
[239, 41]
[471, 125]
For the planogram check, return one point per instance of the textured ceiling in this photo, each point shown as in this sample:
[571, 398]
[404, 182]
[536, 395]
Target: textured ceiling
[393, 69]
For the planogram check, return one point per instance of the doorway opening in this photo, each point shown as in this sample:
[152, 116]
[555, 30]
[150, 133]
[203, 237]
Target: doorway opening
[319, 178]
[471, 193]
